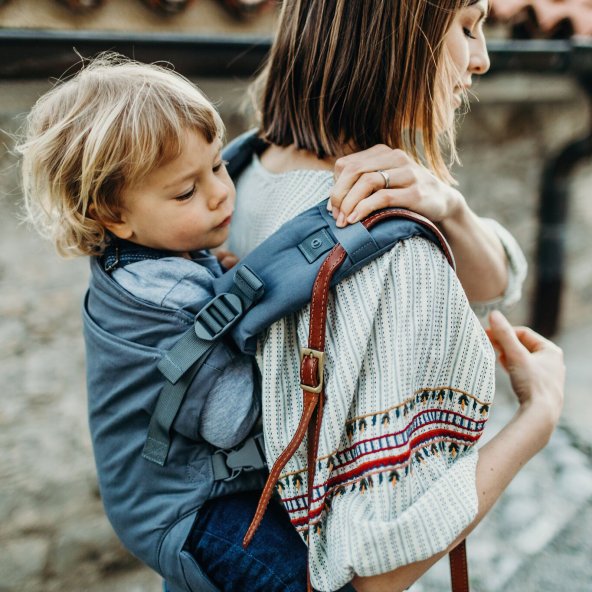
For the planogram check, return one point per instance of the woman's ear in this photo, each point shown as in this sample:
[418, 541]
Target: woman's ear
[119, 225]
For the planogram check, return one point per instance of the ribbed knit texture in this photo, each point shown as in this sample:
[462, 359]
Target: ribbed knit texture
[409, 382]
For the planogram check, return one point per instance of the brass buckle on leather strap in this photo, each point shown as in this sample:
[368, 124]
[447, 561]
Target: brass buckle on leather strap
[320, 356]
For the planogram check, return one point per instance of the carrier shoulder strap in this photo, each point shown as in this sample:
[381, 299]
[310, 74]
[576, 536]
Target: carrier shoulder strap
[180, 364]
[311, 376]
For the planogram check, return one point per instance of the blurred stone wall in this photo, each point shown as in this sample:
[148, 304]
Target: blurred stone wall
[517, 125]
[54, 536]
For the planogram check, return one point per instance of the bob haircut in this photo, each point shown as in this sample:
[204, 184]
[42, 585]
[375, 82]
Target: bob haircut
[97, 133]
[355, 73]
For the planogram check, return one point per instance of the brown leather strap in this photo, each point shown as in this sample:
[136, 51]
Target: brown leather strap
[311, 376]
[314, 430]
[409, 215]
[310, 404]
[459, 569]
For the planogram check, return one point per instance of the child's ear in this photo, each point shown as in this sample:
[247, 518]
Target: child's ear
[119, 226]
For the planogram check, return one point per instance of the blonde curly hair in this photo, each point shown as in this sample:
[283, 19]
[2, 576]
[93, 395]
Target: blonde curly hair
[100, 132]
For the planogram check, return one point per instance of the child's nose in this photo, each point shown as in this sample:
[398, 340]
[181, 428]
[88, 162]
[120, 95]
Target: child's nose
[220, 193]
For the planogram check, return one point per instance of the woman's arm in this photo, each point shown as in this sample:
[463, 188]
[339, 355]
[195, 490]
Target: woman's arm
[359, 190]
[536, 369]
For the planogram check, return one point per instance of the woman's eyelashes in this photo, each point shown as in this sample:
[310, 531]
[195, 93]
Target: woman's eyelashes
[475, 27]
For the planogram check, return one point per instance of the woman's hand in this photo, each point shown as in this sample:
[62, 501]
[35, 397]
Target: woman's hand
[360, 189]
[534, 364]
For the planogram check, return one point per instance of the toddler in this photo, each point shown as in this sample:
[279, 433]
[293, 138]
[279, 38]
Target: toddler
[123, 163]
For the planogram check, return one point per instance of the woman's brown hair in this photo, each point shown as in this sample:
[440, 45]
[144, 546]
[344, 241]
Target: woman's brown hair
[355, 73]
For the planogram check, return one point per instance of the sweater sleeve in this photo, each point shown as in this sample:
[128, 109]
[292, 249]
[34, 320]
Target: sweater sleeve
[517, 271]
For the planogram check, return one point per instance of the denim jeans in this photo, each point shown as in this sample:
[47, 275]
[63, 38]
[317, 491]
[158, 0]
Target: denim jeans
[275, 561]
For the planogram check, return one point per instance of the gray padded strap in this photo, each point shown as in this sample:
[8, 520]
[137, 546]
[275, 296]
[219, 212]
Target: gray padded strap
[247, 286]
[354, 238]
[158, 442]
[179, 359]
[211, 322]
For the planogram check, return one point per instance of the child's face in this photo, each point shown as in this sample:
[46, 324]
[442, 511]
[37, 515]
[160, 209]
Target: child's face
[183, 205]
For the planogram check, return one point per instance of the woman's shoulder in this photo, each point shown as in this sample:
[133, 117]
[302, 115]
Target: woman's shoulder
[278, 183]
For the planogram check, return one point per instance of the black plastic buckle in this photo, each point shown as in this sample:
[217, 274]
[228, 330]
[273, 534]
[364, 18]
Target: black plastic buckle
[250, 456]
[217, 316]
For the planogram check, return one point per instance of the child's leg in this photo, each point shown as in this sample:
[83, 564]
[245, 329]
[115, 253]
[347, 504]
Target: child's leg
[275, 561]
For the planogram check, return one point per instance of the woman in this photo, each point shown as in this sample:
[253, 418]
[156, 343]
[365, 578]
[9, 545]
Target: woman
[402, 341]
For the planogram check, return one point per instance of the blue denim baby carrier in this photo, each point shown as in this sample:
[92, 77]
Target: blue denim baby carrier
[154, 469]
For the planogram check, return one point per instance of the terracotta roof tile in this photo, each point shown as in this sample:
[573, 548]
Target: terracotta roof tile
[545, 18]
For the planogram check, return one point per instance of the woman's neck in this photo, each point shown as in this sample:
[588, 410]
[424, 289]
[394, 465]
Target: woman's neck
[281, 159]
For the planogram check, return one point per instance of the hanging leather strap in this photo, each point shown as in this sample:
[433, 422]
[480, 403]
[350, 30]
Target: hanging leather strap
[459, 569]
[312, 384]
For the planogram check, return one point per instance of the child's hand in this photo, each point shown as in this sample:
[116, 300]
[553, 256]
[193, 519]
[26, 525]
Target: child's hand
[535, 366]
[360, 189]
[226, 258]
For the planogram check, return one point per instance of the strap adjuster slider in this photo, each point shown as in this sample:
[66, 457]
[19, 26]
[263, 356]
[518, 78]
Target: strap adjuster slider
[217, 316]
[306, 352]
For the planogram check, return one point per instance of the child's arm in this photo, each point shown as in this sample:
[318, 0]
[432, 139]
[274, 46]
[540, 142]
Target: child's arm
[360, 189]
[232, 407]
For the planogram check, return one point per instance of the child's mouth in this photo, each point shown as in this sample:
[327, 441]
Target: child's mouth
[225, 222]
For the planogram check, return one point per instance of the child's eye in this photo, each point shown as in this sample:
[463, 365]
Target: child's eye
[186, 196]
[219, 165]
[469, 33]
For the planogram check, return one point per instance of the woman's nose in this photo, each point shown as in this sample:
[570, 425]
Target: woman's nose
[480, 62]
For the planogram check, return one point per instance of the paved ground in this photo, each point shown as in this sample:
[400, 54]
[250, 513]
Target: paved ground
[54, 535]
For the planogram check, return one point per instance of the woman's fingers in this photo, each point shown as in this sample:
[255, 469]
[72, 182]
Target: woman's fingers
[361, 188]
[349, 191]
[535, 364]
[350, 169]
[516, 339]
[532, 341]
[383, 198]
[409, 186]
[505, 340]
